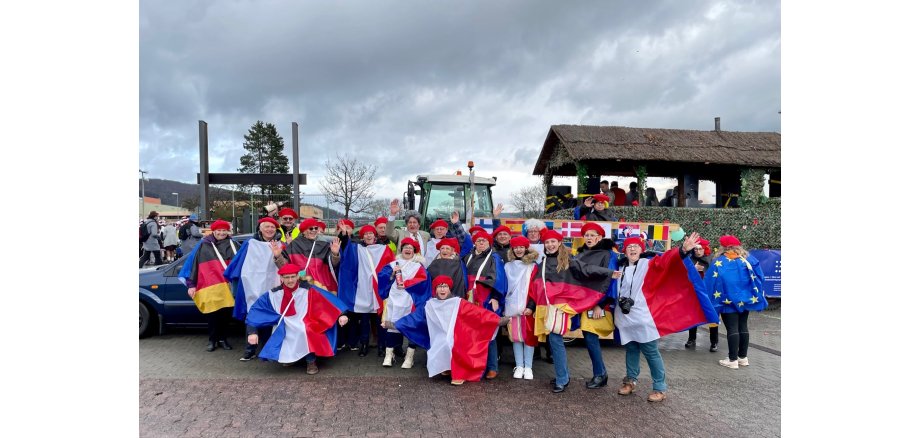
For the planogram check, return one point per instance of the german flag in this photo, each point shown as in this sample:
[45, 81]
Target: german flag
[562, 290]
[204, 265]
[313, 256]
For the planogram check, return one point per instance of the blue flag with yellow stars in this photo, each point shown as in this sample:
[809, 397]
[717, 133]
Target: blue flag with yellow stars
[735, 284]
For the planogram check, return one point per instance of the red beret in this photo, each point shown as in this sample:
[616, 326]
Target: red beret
[287, 212]
[321, 225]
[449, 241]
[220, 225]
[367, 229]
[500, 229]
[704, 242]
[269, 220]
[520, 241]
[726, 240]
[550, 234]
[438, 223]
[346, 222]
[601, 197]
[410, 241]
[442, 279]
[380, 220]
[633, 240]
[288, 269]
[482, 235]
[476, 228]
[307, 223]
[592, 226]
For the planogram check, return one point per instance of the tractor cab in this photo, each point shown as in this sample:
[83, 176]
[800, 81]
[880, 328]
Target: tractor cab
[437, 196]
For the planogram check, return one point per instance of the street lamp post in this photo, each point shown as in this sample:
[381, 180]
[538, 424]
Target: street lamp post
[143, 205]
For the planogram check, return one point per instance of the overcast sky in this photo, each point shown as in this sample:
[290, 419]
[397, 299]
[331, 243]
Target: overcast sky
[421, 87]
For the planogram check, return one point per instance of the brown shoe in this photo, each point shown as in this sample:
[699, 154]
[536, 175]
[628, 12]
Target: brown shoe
[312, 368]
[457, 382]
[628, 387]
[491, 375]
[657, 396]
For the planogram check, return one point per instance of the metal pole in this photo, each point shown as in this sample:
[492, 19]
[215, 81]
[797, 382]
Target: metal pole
[203, 170]
[233, 208]
[143, 195]
[252, 214]
[295, 167]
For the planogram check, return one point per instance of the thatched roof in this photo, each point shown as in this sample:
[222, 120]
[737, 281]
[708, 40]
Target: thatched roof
[566, 144]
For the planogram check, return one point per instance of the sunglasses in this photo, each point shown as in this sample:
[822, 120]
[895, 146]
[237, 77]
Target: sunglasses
[287, 218]
[313, 228]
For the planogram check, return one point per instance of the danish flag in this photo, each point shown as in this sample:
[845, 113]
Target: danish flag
[571, 229]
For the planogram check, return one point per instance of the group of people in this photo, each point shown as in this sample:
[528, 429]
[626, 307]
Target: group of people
[167, 241]
[450, 290]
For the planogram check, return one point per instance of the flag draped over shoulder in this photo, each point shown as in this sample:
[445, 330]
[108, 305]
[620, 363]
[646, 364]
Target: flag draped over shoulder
[453, 268]
[313, 256]
[308, 328]
[491, 280]
[401, 302]
[669, 297]
[456, 334]
[735, 284]
[585, 270]
[251, 272]
[205, 267]
[563, 290]
[358, 269]
[520, 275]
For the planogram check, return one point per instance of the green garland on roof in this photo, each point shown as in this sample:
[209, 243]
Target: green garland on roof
[582, 171]
[641, 179]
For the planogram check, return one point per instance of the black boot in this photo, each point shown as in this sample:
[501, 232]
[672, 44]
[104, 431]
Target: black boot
[380, 349]
[714, 348]
[211, 346]
[363, 350]
[691, 343]
[597, 382]
[226, 345]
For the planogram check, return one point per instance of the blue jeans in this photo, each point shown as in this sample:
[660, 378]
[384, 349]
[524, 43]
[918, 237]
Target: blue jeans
[492, 359]
[593, 344]
[652, 356]
[523, 355]
[311, 357]
[560, 361]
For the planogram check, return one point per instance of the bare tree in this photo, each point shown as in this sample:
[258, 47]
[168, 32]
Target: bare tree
[531, 201]
[349, 183]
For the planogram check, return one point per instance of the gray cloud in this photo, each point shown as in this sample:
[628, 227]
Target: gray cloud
[422, 87]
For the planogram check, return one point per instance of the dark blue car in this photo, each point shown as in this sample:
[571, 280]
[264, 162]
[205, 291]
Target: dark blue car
[164, 300]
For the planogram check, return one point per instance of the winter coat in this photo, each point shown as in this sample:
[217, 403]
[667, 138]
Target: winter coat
[170, 235]
[153, 242]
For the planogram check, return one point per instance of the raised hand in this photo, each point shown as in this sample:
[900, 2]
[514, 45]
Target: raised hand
[691, 241]
[455, 217]
[276, 248]
[498, 210]
[394, 207]
[335, 245]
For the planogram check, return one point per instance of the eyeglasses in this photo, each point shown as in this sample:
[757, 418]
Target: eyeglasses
[313, 228]
[287, 218]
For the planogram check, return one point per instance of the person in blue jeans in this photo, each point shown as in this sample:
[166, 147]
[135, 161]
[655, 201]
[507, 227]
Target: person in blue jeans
[636, 287]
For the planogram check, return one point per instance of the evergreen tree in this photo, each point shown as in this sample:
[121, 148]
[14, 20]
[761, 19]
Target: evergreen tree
[265, 154]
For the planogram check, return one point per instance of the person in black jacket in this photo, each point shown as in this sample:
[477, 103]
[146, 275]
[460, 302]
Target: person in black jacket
[701, 259]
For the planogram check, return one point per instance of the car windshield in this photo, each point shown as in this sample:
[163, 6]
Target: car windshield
[445, 198]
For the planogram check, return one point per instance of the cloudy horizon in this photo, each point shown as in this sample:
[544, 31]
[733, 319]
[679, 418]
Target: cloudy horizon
[415, 88]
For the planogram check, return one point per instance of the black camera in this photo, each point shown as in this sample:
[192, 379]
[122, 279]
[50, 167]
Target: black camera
[626, 304]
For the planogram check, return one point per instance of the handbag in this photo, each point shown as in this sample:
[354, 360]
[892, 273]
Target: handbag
[556, 320]
[516, 329]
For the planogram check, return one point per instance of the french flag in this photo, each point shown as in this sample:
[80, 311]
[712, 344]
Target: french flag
[251, 272]
[456, 334]
[669, 297]
[311, 315]
[358, 269]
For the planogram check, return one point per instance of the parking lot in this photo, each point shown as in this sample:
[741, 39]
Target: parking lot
[185, 391]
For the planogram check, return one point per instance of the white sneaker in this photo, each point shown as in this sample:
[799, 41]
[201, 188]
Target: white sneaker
[410, 359]
[733, 364]
[743, 361]
[518, 372]
[528, 374]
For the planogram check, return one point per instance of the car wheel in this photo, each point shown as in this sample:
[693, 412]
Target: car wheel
[146, 321]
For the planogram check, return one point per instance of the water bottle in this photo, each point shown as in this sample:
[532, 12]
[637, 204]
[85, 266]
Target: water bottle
[399, 278]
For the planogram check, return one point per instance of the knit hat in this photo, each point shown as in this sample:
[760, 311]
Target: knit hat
[287, 212]
[220, 225]
[589, 226]
[520, 241]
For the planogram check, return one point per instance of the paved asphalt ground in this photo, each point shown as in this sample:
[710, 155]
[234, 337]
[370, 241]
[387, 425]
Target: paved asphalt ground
[188, 392]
